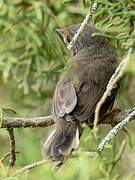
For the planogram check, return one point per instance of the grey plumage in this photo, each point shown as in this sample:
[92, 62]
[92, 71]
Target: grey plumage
[78, 91]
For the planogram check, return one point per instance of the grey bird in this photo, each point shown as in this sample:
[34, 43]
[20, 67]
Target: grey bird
[79, 90]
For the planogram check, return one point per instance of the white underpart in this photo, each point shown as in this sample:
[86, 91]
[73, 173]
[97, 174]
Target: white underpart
[75, 143]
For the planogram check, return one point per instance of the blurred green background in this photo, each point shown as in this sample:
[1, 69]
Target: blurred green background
[31, 59]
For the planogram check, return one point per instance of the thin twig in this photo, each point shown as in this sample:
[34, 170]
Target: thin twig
[6, 156]
[30, 166]
[83, 26]
[12, 147]
[115, 130]
[112, 84]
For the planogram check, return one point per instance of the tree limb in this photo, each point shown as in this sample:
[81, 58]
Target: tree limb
[33, 122]
[114, 117]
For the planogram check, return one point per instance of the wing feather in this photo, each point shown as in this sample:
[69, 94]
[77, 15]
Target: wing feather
[65, 98]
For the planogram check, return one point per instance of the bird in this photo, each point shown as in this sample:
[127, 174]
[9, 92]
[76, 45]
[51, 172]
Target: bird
[92, 63]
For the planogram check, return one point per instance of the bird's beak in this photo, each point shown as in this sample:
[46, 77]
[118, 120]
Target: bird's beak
[60, 32]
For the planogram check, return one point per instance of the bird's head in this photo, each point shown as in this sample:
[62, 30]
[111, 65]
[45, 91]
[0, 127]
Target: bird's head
[86, 39]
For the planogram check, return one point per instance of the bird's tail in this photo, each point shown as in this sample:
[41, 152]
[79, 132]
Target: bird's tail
[63, 139]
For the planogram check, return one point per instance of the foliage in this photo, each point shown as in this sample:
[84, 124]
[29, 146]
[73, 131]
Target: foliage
[32, 57]
[28, 50]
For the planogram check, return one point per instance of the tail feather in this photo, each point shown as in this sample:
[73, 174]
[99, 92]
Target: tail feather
[62, 140]
[71, 142]
[48, 144]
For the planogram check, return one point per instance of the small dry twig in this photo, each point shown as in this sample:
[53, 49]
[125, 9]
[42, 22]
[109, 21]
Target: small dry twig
[12, 147]
[6, 156]
[83, 26]
[30, 166]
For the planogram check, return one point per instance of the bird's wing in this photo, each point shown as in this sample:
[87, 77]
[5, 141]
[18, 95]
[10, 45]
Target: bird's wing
[91, 94]
[94, 77]
[65, 98]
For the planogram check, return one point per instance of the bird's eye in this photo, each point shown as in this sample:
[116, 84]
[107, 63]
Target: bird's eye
[68, 40]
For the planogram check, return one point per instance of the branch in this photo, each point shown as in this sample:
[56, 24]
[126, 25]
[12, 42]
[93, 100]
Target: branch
[114, 117]
[112, 83]
[83, 26]
[116, 129]
[18, 122]
[12, 147]
[30, 166]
